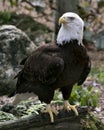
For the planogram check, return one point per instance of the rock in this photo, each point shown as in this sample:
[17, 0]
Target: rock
[98, 40]
[14, 46]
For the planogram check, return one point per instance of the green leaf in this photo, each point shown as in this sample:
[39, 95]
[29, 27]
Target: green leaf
[86, 96]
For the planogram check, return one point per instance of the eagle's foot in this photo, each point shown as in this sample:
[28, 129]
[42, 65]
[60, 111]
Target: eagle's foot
[69, 107]
[51, 111]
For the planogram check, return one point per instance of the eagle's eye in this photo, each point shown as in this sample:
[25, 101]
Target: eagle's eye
[71, 18]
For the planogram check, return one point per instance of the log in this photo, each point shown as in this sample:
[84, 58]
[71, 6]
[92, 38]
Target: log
[64, 121]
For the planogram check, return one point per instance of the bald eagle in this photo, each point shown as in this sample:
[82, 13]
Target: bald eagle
[57, 65]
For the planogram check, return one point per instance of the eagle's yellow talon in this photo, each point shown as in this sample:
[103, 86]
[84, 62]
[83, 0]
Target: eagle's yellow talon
[55, 111]
[69, 107]
[50, 110]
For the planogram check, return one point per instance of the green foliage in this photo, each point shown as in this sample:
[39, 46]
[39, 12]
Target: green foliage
[88, 96]
[6, 116]
[6, 16]
[57, 96]
[35, 108]
[98, 75]
[84, 96]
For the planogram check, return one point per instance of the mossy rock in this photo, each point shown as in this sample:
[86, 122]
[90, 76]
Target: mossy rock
[14, 46]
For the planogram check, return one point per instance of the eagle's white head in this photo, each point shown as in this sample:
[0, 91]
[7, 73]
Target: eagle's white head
[71, 28]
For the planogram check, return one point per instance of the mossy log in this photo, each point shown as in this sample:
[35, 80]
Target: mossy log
[64, 121]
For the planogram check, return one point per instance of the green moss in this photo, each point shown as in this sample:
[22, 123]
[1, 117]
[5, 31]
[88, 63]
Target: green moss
[6, 116]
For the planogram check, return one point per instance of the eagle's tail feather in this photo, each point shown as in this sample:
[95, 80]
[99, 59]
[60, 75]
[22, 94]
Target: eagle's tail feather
[19, 76]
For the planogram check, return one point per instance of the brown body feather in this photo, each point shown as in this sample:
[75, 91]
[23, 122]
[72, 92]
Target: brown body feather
[51, 67]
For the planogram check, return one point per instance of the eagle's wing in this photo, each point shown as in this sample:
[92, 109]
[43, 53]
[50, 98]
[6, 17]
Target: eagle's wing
[85, 72]
[43, 67]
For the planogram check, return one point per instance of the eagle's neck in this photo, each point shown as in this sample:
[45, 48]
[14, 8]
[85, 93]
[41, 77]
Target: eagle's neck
[66, 35]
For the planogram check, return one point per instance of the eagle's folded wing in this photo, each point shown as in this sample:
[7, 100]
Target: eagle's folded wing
[43, 68]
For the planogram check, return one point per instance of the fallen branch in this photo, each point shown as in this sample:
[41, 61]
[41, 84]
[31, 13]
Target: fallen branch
[64, 121]
[42, 120]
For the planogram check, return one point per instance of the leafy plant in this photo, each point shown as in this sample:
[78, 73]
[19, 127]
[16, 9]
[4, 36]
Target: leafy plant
[84, 96]
[6, 116]
[87, 96]
[98, 75]
[6, 16]
[35, 108]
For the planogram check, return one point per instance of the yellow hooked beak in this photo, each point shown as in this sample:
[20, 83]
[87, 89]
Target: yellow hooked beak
[62, 20]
